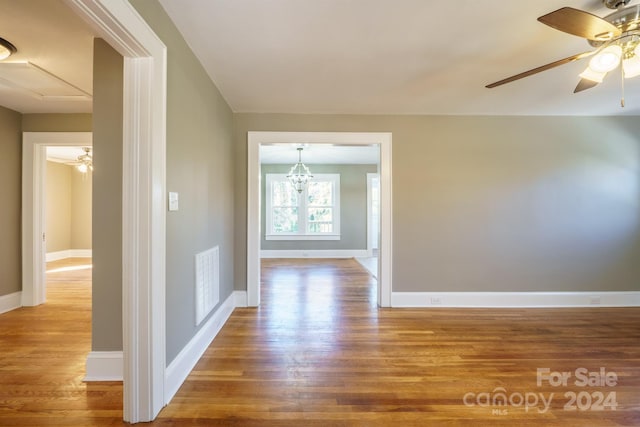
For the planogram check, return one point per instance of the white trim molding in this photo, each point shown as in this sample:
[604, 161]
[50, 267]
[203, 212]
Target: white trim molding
[179, 369]
[313, 253]
[301, 237]
[240, 298]
[104, 366]
[144, 200]
[69, 253]
[515, 299]
[372, 243]
[10, 302]
[256, 139]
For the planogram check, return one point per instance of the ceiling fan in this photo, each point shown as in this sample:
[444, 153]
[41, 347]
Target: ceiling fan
[84, 162]
[616, 39]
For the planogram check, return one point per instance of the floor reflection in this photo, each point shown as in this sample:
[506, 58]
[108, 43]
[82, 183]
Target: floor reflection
[305, 303]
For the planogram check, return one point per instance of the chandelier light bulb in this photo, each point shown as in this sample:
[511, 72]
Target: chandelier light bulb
[608, 59]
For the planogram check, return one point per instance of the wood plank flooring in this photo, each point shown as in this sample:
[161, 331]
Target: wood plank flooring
[318, 352]
[42, 357]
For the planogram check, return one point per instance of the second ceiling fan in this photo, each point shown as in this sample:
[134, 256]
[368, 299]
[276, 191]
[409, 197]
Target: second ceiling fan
[615, 39]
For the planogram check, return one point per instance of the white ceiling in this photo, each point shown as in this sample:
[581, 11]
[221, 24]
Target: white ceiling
[338, 56]
[60, 154]
[319, 154]
[59, 47]
[394, 56]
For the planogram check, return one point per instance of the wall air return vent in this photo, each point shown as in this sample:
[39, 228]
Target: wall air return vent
[207, 282]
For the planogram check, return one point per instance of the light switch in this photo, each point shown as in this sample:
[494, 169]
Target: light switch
[173, 201]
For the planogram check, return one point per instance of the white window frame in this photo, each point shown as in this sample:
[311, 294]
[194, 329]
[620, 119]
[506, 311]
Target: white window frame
[302, 233]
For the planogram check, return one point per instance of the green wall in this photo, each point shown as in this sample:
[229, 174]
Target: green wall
[10, 208]
[495, 203]
[200, 163]
[49, 122]
[107, 198]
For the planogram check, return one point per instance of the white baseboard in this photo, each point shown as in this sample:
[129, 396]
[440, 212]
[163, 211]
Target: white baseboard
[515, 299]
[69, 253]
[315, 253]
[10, 302]
[240, 298]
[104, 366]
[184, 362]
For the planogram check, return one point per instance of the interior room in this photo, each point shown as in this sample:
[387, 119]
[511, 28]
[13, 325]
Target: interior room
[345, 223]
[482, 269]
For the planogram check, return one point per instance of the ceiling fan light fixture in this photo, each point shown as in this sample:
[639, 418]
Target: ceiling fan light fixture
[608, 59]
[6, 49]
[592, 75]
[85, 161]
[631, 67]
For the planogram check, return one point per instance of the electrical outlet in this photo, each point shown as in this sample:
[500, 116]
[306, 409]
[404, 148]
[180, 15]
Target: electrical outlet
[594, 300]
[436, 301]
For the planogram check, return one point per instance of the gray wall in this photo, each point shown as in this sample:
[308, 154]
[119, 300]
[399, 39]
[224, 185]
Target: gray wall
[81, 212]
[107, 201]
[353, 208]
[200, 163]
[10, 220]
[495, 203]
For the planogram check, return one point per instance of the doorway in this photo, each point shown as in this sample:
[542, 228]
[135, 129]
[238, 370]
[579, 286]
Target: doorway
[34, 170]
[68, 213]
[256, 139]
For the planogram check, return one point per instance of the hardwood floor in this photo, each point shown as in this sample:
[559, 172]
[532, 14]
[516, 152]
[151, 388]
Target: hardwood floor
[42, 357]
[318, 352]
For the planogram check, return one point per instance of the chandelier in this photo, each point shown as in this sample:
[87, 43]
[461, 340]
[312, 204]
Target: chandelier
[299, 175]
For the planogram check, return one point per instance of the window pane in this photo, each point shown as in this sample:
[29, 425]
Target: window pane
[319, 193]
[285, 220]
[320, 220]
[284, 194]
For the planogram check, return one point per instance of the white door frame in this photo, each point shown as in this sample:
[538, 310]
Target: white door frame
[144, 200]
[255, 139]
[34, 170]
[370, 239]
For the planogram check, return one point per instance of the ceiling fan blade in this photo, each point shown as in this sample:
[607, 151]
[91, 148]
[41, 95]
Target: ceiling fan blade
[541, 69]
[584, 84]
[580, 23]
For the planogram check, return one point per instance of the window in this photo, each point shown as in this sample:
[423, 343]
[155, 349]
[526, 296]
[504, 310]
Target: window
[313, 214]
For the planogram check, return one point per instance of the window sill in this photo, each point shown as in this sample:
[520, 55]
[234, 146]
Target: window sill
[302, 237]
